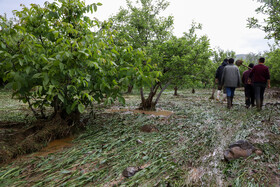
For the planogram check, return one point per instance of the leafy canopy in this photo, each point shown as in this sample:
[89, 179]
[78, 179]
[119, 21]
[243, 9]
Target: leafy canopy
[52, 58]
[270, 25]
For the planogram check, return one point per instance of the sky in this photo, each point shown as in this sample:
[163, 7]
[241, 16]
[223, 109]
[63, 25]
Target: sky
[223, 21]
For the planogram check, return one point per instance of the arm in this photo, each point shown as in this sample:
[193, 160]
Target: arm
[243, 79]
[239, 79]
[250, 76]
[223, 76]
[268, 83]
[268, 78]
[217, 75]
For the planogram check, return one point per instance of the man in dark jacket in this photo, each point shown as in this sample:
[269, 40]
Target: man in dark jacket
[231, 80]
[218, 79]
[260, 77]
[248, 88]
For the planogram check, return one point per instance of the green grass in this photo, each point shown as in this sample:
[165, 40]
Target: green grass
[187, 150]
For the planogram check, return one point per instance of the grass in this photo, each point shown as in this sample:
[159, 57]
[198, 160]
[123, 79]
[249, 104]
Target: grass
[187, 150]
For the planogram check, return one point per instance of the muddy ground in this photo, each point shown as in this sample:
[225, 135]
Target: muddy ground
[183, 145]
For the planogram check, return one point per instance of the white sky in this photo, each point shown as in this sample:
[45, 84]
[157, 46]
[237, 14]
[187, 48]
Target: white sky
[223, 21]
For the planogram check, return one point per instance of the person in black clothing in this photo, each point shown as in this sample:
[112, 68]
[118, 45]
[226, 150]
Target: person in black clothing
[218, 79]
[249, 89]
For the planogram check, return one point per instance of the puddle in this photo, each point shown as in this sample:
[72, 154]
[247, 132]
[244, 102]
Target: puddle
[55, 146]
[127, 111]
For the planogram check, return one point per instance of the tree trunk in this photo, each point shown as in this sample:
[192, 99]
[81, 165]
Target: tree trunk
[175, 91]
[148, 104]
[193, 90]
[129, 89]
[213, 91]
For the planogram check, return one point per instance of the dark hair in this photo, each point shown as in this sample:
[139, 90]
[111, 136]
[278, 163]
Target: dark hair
[226, 60]
[251, 65]
[261, 60]
[231, 61]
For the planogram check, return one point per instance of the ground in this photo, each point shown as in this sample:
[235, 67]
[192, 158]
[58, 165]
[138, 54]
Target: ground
[185, 148]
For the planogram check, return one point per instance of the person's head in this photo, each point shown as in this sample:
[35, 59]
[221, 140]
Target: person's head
[251, 65]
[231, 61]
[261, 60]
[226, 60]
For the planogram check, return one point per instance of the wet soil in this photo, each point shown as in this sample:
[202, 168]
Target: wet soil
[20, 138]
[55, 146]
[135, 111]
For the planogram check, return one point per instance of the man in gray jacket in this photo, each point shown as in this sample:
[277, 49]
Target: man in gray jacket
[231, 80]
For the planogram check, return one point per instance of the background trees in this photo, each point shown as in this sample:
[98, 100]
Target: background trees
[273, 62]
[185, 59]
[141, 25]
[178, 61]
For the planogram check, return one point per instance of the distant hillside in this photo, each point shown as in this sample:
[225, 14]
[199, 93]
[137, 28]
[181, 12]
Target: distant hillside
[241, 56]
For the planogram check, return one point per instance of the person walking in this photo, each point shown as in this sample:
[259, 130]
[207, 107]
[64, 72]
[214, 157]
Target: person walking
[231, 80]
[218, 80]
[260, 77]
[248, 88]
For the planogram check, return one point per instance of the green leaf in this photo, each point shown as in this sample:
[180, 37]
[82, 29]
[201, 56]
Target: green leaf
[81, 108]
[121, 100]
[95, 7]
[37, 75]
[3, 45]
[61, 98]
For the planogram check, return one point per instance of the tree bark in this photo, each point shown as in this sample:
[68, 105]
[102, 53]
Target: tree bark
[175, 91]
[129, 89]
[148, 104]
[193, 90]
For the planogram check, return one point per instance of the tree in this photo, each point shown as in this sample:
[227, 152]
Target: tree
[143, 28]
[53, 59]
[219, 55]
[185, 58]
[270, 8]
[252, 58]
[273, 62]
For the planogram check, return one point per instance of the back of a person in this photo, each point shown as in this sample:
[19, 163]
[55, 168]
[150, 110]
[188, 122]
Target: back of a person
[231, 78]
[245, 76]
[260, 73]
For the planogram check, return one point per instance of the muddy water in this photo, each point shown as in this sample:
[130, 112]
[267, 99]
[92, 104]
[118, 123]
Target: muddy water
[55, 146]
[156, 113]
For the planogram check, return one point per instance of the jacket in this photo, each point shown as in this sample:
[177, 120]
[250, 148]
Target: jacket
[245, 76]
[260, 74]
[231, 76]
[219, 71]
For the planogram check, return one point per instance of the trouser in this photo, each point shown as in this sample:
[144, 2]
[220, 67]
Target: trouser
[259, 89]
[230, 91]
[221, 87]
[249, 95]
[230, 95]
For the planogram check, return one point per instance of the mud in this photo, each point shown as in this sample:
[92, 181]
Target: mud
[55, 146]
[20, 138]
[127, 111]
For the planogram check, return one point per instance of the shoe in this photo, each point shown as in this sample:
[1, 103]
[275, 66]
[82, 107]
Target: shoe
[218, 95]
[228, 102]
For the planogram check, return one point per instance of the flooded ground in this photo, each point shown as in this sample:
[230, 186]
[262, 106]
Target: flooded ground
[162, 113]
[185, 148]
[55, 146]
